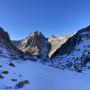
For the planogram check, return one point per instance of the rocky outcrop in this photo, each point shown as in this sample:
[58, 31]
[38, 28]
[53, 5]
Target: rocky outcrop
[74, 54]
[36, 44]
[7, 49]
[70, 44]
[56, 43]
[17, 43]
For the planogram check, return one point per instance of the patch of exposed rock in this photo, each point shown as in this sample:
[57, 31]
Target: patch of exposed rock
[36, 44]
[56, 43]
[7, 49]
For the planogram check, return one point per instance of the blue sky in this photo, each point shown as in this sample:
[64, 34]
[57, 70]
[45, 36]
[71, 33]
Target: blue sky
[57, 17]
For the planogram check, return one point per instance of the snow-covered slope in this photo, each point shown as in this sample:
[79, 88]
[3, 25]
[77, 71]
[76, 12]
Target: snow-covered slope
[18, 72]
[41, 77]
[75, 53]
[7, 49]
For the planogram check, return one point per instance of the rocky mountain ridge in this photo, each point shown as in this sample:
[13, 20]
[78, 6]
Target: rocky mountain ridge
[7, 49]
[67, 52]
[74, 54]
[37, 44]
[56, 43]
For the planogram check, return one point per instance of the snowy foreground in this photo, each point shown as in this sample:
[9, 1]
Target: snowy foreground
[41, 77]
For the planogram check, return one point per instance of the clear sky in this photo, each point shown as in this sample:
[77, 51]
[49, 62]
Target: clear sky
[21, 17]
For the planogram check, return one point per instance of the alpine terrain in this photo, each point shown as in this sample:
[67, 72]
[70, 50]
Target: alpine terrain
[40, 63]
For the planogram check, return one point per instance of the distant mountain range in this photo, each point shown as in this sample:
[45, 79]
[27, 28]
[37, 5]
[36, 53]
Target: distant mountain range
[37, 44]
[69, 51]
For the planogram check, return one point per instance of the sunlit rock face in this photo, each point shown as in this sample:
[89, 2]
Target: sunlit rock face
[56, 43]
[36, 44]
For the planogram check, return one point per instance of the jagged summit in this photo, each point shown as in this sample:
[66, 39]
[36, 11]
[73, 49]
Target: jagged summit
[56, 43]
[37, 33]
[35, 44]
[35, 36]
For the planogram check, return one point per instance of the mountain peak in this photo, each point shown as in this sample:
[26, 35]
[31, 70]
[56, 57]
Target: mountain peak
[4, 35]
[35, 44]
[6, 46]
[35, 34]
